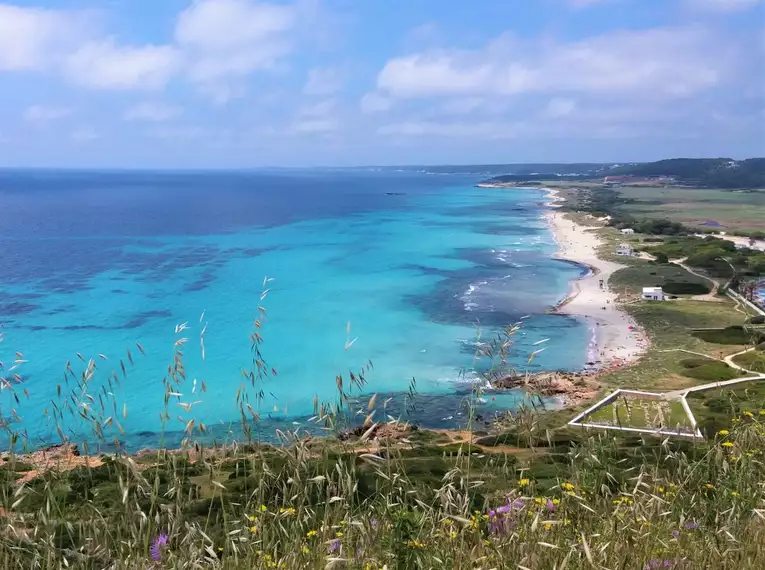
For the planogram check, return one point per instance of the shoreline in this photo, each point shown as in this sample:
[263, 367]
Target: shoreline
[616, 339]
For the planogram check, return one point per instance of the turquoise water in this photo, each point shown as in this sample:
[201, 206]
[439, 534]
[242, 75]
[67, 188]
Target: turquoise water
[101, 261]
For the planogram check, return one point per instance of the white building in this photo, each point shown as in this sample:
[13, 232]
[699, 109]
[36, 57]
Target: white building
[653, 294]
[628, 231]
[624, 249]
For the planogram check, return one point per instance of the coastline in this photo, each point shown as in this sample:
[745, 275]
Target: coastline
[616, 339]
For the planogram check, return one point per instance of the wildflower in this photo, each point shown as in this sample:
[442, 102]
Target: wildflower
[723, 432]
[761, 413]
[676, 533]
[748, 414]
[253, 529]
[566, 486]
[660, 489]
[251, 518]
[416, 544]
[550, 505]
[709, 486]
[288, 511]
[523, 482]
[453, 534]
[305, 550]
[263, 509]
[157, 547]
[548, 526]
[691, 525]
[727, 444]
[339, 534]
[334, 546]
[311, 533]
[735, 494]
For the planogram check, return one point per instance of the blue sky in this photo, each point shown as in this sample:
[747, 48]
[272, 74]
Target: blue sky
[246, 83]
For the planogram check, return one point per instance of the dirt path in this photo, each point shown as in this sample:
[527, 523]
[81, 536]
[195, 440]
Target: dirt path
[712, 295]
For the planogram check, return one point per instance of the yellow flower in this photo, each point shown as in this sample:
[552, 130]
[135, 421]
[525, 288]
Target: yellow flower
[548, 526]
[556, 501]
[339, 534]
[306, 550]
[453, 534]
[311, 533]
[660, 489]
[734, 494]
[761, 413]
[566, 486]
[709, 486]
[748, 414]
[415, 544]
[523, 482]
[723, 432]
[251, 518]
[727, 444]
[253, 529]
[263, 508]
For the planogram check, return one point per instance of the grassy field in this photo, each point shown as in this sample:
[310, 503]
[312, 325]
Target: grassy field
[631, 281]
[754, 361]
[668, 325]
[636, 412]
[733, 210]
[718, 409]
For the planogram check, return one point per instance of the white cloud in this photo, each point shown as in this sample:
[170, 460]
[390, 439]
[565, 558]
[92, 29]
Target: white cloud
[152, 111]
[559, 107]
[232, 38]
[462, 106]
[461, 129]
[84, 134]
[107, 65]
[319, 109]
[375, 103]
[323, 81]
[30, 38]
[670, 62]
[39, 114]
[722, 5]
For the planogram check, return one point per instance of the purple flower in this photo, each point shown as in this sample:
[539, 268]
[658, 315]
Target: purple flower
[334, 546]
[374, 524]
[691, 525]
[550, 506]
[675, 533]
[157, 546]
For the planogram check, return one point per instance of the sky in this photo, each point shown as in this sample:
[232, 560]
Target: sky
[250, 83]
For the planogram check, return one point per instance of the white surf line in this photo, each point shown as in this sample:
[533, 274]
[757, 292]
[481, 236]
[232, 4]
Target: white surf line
[540, 341]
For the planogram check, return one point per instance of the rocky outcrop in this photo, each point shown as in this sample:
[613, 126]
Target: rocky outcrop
[572, 387]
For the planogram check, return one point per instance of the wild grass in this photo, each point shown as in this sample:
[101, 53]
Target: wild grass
[547, 499]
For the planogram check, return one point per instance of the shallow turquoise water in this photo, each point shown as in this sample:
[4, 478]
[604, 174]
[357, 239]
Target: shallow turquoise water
[418, 276]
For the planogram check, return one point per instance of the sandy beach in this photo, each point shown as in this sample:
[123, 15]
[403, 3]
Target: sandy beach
[616, 339]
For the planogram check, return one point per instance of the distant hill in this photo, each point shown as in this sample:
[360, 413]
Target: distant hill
[702, 172]
[705, 172]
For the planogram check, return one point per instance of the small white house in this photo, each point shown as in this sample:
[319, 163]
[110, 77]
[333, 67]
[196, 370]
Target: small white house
[653, 294]
[624, 249]
[628, 231]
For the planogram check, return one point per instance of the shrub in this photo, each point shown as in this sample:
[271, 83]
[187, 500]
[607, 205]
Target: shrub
[708, 370]
[680, 288]
[730, 335]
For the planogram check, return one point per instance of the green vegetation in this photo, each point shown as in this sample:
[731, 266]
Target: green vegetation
[668, 325]
[726, 408]
[754, 360]
[708, 370]
[736, 334]
[705, 172]
[672, 278]
[641, 412]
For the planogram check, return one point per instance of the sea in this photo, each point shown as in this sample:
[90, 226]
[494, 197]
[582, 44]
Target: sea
[140, 308]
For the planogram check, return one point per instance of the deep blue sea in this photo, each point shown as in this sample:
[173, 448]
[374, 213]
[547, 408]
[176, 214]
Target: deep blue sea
[419, 264]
